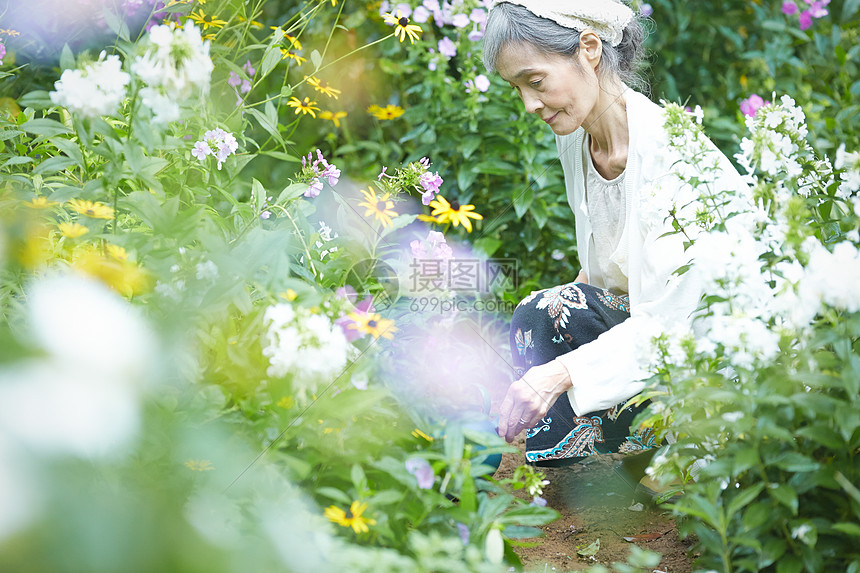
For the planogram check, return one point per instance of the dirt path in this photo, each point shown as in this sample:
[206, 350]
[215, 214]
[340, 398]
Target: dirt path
[595, 504]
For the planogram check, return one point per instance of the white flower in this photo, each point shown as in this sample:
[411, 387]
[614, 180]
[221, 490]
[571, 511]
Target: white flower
[207, 271]
[307, 346]
[833, 277]
[94, 91]
[175, 66]
[82, 397]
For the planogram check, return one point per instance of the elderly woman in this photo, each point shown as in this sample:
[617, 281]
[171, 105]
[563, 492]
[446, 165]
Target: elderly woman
[578, 346]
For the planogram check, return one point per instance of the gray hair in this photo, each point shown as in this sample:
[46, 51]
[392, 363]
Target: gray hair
[514, 24]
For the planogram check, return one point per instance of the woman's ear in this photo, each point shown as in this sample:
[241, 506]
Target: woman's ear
[590, 47]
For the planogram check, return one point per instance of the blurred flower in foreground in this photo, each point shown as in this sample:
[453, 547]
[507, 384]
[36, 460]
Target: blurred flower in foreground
[353, 518]
[850, 162]
[380, 207]
[92, 209]
[81, 398]
[423, 472]
[93, 91]
[751, 105]
[402, 27]
[372, 324]
[334, 117]
[453, 212]
[72, 230]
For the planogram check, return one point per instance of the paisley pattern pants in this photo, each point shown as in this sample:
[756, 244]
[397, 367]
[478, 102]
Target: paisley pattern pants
[552, 322]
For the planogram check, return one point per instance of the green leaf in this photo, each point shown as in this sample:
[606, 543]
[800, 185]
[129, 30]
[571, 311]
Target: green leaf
[270, 60]
[44, 126]
[39, 99]
[316, 59]
[849, 9]
[522, 532]
[743, 499]
[847, 528]
[468, 499]
[335, 494]
[849, 487]
[522, 200]
[785, 495]
[359, 480]
[796, 462]
[18, 160]
[258, 195]
[530, 515]
[590, 550]
[54, 164]
[67, 58]
[292, 191]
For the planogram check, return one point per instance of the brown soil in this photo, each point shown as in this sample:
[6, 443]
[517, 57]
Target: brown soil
[594, 504]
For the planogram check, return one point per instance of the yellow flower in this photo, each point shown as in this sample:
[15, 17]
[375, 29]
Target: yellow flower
[322, 86]
[352, 518]
[419, 434]
[380, 207]
[207, 21]
[402, 27]
[285, 53]
[372, 324]
[286, 402]
[387, 112]
[124, 276]
[199, 465]
[92, 209]
[254, 23]
[453, 212]
[72, 230]
[9, 32]
[335, 117]
[289, 295]
[40, 203]
[294, 42]
[117, 252]
[304, 106]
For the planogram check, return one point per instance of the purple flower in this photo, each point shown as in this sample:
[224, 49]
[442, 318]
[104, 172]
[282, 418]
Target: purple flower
[478, 16]
[750, 106]
[344, 323]
[249, 69]
[423, 472]
[201, 150]
[432, 66]
[482, 82]
[475, 35]
[430, 182]
[265, 214]
[2, 52]
[818, 10]
[447, 47]
[460, 21]
[538, 501]
[432, 5]
[314, 188]
[805, 20]
[646, 10]
[405, 9]
[383, 174]
[234, 80]
[346, 292]
[464, 533]
[789, 8]
[420, 15]
[419, 251]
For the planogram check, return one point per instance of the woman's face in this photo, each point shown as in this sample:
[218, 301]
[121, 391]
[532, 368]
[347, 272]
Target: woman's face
[563, 91]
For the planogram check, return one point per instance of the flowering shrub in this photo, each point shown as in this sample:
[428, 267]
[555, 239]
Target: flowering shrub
[762, 395]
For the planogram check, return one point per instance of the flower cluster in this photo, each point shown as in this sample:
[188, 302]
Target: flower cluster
[433, 247]
[239, 84]
[817, 9]
[305, 345]
[95, 90]
[777, 139]
[415, 176]
[445, 14]
[314, 171]
[751, 105]
[175, 65]
[850, 162]
[218, 143]
[2, 53]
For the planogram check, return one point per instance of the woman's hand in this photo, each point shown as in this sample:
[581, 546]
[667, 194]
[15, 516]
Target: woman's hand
[529, 398]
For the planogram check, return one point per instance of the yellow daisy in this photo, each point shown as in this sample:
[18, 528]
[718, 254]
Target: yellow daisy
[207, 21]
[92, 209]
[40, 203]
[381, 207]
[453, 212]
[334, 117]
[73, 230]
[387, 112]
[402, 27]
[372, 324]
[117, 252]
[291, 54]
[303, 106]
[322, 86]
[351, 518]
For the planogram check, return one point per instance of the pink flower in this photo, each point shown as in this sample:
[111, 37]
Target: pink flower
[2, 52]
[430, 182]
[314, 188]
[818, 10]
[460, 21]
[447, 47]
[201, 150]
[646, 10]
[482, 82]
[805, 20]
[234, 80]
[347, 292]
[789, 8]
[421, 15]
[750, 106]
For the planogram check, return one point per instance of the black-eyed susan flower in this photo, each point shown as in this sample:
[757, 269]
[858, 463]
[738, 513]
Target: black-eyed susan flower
[351, 518]
[372, 324]
[402, 27]
[206, 21]
[304, 106]
[453, 212]
[380, 207]
[72, 230]
[322, 86]
[92, 209]
[334, 117]
[40, 203]
[385, 113]
[292, 55]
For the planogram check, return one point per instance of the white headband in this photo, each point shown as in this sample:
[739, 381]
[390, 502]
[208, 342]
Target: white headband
[606, 17]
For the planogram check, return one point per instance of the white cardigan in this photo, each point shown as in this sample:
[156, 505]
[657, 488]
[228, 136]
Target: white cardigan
[613, 367]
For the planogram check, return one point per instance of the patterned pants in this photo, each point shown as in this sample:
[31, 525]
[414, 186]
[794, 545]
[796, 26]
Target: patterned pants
[552, 322]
